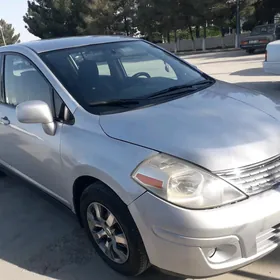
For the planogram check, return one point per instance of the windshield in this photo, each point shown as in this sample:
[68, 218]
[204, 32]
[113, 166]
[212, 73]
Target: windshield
[118, 71]
[266, 29]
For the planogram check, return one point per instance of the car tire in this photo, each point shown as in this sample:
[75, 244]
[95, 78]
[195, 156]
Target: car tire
[2, 174]
[98, 195]
[251, 51]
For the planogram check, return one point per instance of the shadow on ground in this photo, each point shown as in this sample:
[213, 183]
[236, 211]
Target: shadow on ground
[40, 235]
[252, 72]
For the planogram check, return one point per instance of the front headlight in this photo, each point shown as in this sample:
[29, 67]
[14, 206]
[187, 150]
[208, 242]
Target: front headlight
[184, 184]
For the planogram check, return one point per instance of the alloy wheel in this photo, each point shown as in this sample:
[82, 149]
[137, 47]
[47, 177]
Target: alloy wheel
[107, 233]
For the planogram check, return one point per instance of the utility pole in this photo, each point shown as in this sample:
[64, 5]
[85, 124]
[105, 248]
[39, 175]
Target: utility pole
[3, 37]
[238, 29]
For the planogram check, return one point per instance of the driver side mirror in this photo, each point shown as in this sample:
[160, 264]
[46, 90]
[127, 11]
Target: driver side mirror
[36, 112]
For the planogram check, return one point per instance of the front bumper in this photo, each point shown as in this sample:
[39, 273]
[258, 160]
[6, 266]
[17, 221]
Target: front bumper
[180, 240]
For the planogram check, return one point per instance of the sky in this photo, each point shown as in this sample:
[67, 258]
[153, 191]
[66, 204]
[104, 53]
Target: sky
[12, 11]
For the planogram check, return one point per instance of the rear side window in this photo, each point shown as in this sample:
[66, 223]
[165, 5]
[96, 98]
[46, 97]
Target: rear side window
[265, 29]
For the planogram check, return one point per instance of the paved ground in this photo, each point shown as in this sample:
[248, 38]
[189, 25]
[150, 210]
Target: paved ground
[40, 239]
[240, 68]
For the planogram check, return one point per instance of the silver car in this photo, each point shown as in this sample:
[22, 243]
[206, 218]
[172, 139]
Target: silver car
[162, 164]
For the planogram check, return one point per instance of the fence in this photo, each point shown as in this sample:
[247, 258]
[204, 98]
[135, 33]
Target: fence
[211, 43]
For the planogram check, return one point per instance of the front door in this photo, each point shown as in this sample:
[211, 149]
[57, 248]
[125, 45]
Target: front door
[26, 148]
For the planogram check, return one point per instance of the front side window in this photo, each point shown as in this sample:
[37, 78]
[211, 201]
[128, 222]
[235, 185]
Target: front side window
[23, 82]
[118, 71]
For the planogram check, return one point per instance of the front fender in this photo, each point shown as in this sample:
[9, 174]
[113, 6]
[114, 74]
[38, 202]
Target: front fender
[91, 152]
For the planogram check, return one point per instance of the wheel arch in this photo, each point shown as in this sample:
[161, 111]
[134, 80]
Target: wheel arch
[79, 186]
[121, 187]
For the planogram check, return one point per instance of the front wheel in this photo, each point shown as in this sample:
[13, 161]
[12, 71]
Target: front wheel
[112, 230]
[2, 174]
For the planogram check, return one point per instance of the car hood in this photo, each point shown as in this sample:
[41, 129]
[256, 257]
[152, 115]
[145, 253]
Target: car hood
[221, 127]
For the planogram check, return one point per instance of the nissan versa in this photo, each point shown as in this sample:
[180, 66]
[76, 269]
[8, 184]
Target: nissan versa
[162, 164]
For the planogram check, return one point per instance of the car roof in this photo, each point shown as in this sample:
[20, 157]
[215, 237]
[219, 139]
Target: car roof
[40, 46]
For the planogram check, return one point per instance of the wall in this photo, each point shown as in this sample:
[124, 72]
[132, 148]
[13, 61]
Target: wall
[211, 43]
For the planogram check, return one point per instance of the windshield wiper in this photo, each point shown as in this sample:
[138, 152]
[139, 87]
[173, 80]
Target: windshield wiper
[167, 92]
[117, 102]
[177, 90]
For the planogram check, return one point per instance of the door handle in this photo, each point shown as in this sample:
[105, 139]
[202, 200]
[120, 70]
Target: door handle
[5, 121]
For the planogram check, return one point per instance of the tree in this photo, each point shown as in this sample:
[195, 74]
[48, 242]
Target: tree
[154, 16]
[56, 18]
[100, 17]
[223, 14]
[203, 11]
[8, 33]
[257, 12]
[156, 19]
[146, 18]
[125, 14]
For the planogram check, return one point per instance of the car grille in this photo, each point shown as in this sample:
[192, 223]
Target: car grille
[269, 238]
[255, 178]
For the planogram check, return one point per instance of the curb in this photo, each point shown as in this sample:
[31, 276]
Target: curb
[207, 51]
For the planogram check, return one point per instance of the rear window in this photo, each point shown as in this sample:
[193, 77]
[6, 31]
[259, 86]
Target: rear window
[266, 29]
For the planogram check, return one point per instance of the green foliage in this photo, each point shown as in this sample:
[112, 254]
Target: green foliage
[259, 12]
[156, 19]
[100, 18]
[124, 15]
[110, 17]
[56, 18]
[8, 33]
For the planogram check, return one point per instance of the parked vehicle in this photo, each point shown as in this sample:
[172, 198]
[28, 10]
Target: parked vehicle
[261, 36]
[161, 163]
[272, 58]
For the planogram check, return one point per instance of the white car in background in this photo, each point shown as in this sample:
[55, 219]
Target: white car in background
[272, 58]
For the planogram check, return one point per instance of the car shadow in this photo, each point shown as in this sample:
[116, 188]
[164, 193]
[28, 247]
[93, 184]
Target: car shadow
[253, 72]
[40, 235]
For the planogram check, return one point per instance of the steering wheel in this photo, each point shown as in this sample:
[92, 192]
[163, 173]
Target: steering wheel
[145, 74]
